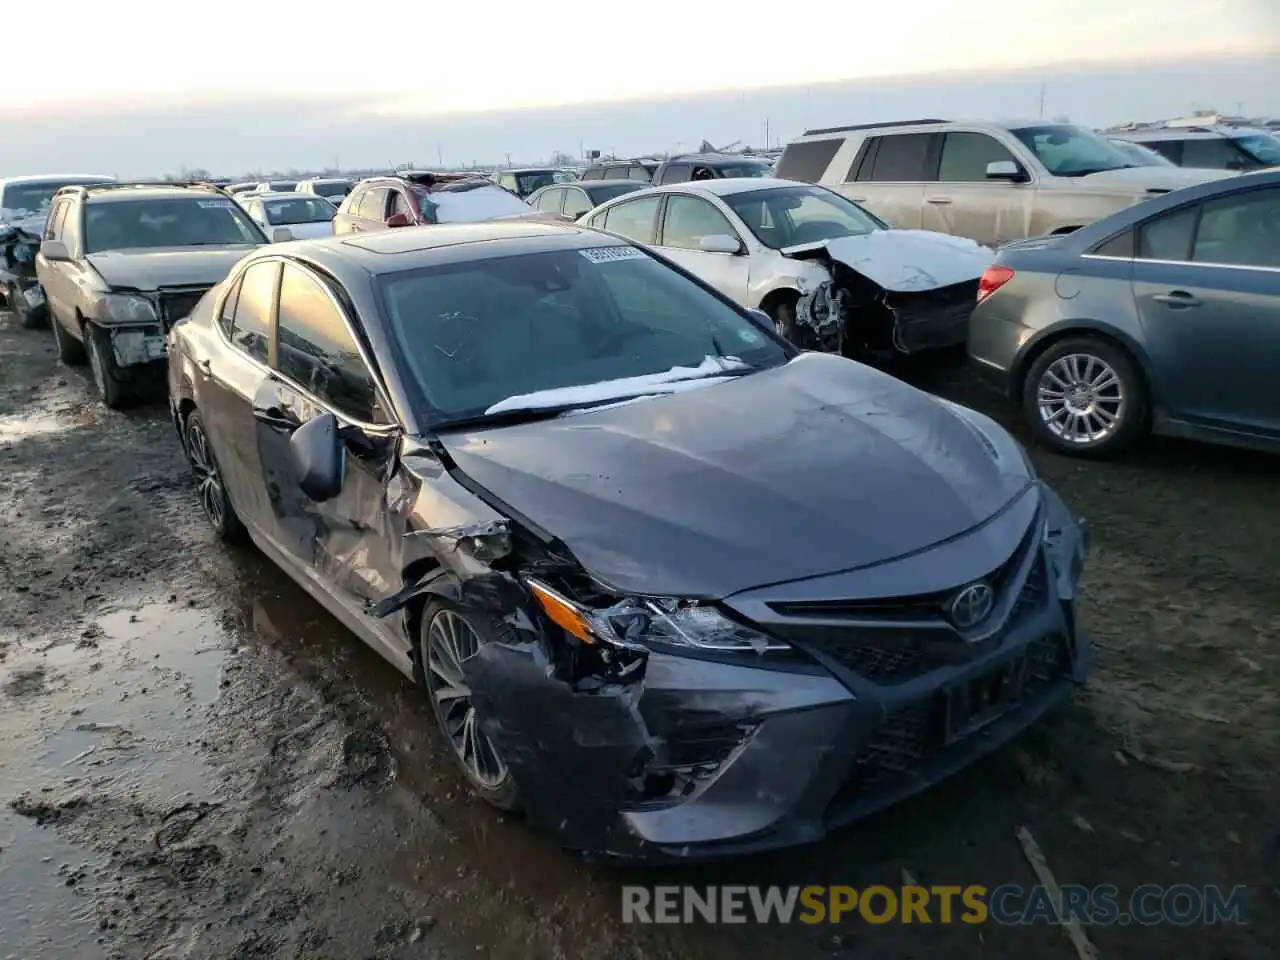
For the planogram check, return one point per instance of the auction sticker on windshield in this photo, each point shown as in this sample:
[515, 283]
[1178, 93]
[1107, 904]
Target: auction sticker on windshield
[215, 204]
[612, 254]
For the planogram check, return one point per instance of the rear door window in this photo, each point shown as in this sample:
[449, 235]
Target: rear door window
[615, 173]
[633, 219]
[677, 173]
[899, 158]
[251, 323]
[1217, 153]
[551, 200]
[808, 161]
[643, 174]
[1240, 231]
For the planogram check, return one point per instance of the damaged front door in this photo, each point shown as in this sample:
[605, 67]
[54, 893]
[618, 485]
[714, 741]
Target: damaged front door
[319, 369]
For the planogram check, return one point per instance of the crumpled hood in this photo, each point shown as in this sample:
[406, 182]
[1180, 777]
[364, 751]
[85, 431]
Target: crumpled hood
[1138, 179]
[907, 261]
[167, 267]
[818, 466]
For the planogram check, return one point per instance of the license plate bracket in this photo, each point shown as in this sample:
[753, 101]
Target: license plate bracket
[975, 702]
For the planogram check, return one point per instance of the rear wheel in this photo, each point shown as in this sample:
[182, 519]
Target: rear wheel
[1083, 396]
[448, 639]
[70, 350]
[212, 491]
[107, 376]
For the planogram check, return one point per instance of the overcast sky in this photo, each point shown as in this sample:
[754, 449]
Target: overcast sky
[152, 93]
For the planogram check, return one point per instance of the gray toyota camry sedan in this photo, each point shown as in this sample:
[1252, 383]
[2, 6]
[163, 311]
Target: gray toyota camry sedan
[1164, 317]
[672, 588]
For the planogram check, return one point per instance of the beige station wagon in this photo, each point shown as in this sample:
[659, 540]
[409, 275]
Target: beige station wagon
[990, 182]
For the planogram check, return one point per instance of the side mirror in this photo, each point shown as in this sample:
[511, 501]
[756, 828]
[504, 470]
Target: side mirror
[281, 235]
[719, 243]
[399, 220]
[1005, 170]
[316, 454]
[54, 250]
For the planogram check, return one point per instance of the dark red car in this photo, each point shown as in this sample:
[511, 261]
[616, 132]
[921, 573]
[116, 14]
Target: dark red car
[413, 199]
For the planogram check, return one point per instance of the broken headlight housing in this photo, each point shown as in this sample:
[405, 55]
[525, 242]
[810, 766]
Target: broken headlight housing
[639, 622]
[127, 308]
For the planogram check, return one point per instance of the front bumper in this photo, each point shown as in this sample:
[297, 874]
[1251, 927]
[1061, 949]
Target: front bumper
[712, 758]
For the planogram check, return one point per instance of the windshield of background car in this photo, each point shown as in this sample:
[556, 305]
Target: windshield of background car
[1141, 155]
[1263, 147]
[473, 334]
[172, 222]
[603, 190]
[331, 189]
[283, 186]
[747, 170]
[801, 214]
[1070, 151]
[529, 182]
[564, 176]
[282, 213]
[482, 201]
[34, 197]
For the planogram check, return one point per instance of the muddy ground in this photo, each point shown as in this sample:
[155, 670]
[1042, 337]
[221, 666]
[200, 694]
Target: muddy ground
[197, 761]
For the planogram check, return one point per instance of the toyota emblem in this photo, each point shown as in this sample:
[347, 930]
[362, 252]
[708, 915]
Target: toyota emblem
[972, 605]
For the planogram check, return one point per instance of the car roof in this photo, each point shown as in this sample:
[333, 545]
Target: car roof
[326, 180]
[392, 251]
[115, 194]
[712, 159]
[727, 186]
[283, 195]
[531, 170]
[39, 178]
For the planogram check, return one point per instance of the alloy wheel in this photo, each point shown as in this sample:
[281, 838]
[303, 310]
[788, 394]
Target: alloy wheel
[1081, 399]
[451, 641]
[208, 479]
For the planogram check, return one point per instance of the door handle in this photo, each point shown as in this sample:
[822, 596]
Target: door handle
[274, 417]
[939, 200]
[1177, 298]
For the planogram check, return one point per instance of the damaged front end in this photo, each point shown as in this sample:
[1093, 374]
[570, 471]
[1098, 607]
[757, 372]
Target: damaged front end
[138, 321]
[19, 244]
[887, 297]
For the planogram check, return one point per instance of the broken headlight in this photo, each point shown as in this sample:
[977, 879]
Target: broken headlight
[638, 622]
[127, 308]
[682, 623]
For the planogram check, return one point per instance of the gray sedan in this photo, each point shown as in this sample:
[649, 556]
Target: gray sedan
[1164, 317]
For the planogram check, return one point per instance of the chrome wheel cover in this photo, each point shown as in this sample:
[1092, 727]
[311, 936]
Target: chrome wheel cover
[451, 641]
[208, 479]
[1081, 399]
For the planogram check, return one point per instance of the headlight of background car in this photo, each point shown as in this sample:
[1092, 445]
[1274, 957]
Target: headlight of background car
[127, 308]
[638, 622]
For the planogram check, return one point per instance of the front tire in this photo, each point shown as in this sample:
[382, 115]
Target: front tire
[212, 491]
[448, 637]
[1085, 397]
[107, 376]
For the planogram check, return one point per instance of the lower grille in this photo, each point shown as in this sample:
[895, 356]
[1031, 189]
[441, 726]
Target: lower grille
[911, 736]
[174, 306]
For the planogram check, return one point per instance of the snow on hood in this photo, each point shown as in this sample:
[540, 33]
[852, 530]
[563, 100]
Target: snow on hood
[1153, 178]
[908, 261]
[668, 381]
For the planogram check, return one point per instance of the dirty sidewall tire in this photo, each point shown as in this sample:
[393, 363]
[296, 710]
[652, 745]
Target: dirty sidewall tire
[107, 377]
[1133, 415]
[784, 320]
[505, 795]
[70, 350]
[229, 529]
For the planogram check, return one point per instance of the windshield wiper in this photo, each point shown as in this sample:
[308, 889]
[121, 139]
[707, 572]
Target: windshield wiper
[1088, 170]
[506, 418]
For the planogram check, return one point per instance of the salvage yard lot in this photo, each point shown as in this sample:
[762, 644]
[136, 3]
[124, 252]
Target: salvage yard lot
[198, 762]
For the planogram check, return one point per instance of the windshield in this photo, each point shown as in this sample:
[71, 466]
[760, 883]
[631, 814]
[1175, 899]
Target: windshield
[529, 182]
[787, 216]
[1143, 156]
[331, 189]
[1066, 150]
[282, 186]
[281, 213]
[747, 170]
[139, 224]
[477, 333]
[1261, 146]
[564, 176]
[35, 198]
[481, 201]
[604, 190]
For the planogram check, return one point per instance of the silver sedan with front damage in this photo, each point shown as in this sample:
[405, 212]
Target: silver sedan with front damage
[673, 588]
[831, 275]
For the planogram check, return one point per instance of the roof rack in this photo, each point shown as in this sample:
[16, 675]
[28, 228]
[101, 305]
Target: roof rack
[143, 185]
[873, 126]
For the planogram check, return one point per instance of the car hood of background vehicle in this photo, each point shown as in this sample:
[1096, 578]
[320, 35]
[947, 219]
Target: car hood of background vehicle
[815, 467]
[167, 267]
[1152, 178]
